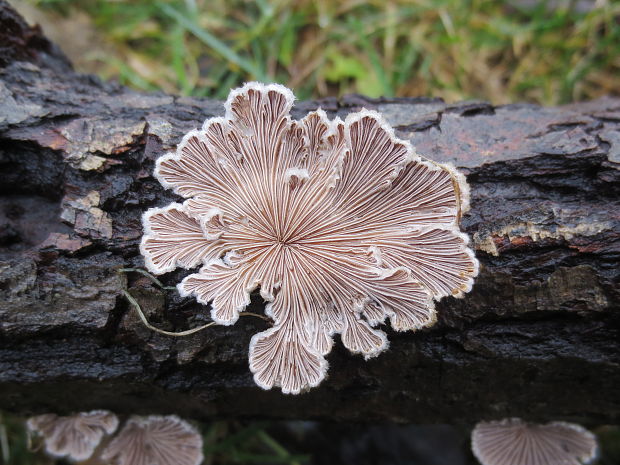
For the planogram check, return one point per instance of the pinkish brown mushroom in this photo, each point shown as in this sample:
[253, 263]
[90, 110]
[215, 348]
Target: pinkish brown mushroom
[155, 440]
[514, 442]
[339, 223]
[76, 436]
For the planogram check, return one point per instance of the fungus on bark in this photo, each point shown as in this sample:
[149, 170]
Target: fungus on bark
[513, 442]
[155, 440]
[339, 223]
[75, 437]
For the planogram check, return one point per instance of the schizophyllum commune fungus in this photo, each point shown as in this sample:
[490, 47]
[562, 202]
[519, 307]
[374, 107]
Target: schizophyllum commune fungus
[155, 440]
[339, 224]
[75, 437]
[514, 442]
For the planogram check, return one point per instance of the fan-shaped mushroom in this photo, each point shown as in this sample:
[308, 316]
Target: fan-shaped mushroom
[514, 442]
[339, 223]
[155, 440]
[76, 436]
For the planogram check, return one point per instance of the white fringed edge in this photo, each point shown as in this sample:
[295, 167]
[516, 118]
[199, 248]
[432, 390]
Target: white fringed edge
[148, 234]
[264, 89]
[411, 155]
[323, 367]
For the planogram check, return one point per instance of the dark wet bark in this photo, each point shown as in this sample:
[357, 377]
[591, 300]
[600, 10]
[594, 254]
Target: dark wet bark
[538, 337]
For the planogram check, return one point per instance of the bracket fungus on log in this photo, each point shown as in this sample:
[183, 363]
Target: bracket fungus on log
[75, 437]
[514, 442]
[339, 223]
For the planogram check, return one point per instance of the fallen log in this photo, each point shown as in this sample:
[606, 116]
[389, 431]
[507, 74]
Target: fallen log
[538, 337]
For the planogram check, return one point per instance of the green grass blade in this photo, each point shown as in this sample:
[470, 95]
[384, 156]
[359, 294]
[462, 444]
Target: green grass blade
[214, 43]
[375, 60]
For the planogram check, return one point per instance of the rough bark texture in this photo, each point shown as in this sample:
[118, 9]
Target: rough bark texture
[538, 337]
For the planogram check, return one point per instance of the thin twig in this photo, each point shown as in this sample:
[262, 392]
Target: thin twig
[134, 303]
[257, 315]
[148, 275]
[142, 316]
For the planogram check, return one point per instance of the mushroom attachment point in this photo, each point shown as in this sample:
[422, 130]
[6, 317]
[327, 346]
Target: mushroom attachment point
[514, 442]
[155, 440]
[75, 437]
[340, 224]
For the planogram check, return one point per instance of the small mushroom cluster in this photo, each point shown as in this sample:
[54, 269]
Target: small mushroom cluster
[514, 442]
[340, 224]
[153, 440]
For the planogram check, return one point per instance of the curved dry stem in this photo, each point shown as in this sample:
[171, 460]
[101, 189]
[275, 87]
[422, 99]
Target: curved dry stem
[134, 303]
[148, 275]
[142, 316]
[262, 317]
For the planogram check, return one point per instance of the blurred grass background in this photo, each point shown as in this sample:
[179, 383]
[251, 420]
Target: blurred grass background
[547, 52]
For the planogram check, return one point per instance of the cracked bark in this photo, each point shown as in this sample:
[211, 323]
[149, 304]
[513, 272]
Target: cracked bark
[538, 337]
